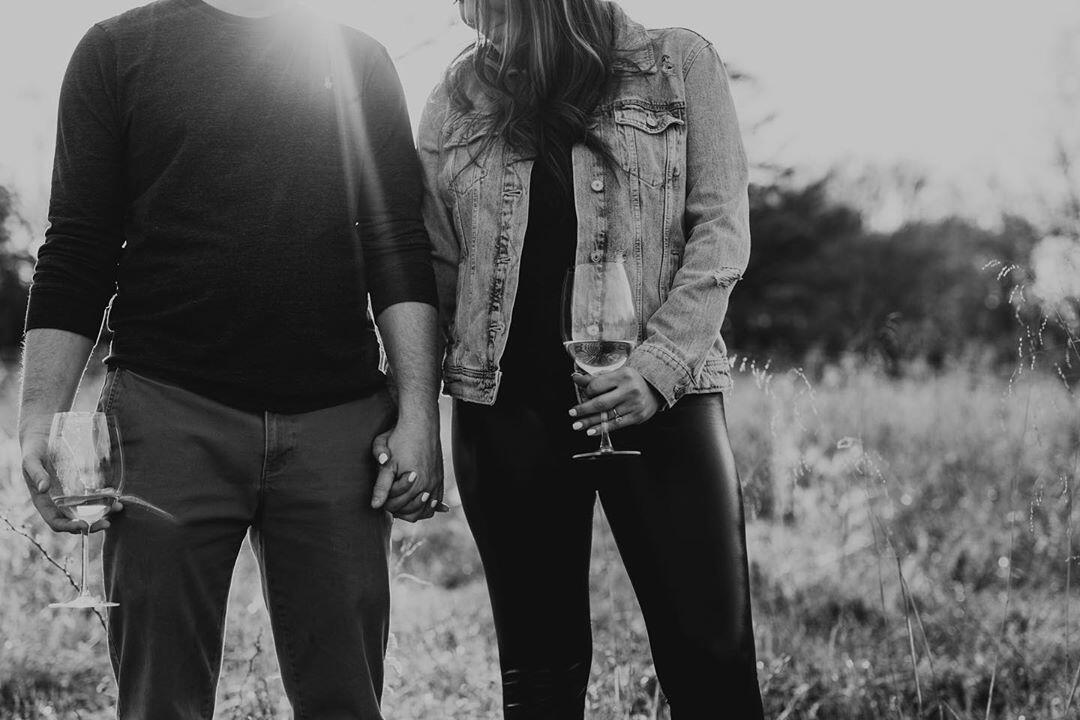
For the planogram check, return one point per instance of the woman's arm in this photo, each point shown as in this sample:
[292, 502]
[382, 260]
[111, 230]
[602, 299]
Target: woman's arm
[445, 247]
[680, 333]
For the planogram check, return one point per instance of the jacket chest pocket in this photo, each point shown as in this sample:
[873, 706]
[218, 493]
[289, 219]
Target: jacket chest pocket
[650, 138]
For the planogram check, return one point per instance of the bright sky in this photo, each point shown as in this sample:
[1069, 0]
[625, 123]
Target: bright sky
[963, 89]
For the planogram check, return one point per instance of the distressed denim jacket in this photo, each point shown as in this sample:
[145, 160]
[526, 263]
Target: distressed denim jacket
[674, 209]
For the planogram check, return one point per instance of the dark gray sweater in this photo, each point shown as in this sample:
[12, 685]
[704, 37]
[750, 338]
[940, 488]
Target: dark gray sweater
[241, 186]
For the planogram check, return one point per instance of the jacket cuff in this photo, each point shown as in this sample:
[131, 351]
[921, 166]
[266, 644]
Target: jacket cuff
[661, 369]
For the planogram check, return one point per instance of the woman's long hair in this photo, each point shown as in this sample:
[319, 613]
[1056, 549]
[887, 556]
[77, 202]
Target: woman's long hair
[551, 69]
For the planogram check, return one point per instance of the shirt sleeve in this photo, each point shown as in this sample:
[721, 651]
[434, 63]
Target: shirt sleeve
[75, 275]
[396, 248]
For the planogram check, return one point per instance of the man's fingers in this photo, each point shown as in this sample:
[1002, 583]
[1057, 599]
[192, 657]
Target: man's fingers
[403, 484]
[423, 513]
[53, 517]
[37, 477]
[407, 502]
[382, 486]
[420, 503]
[38, 481]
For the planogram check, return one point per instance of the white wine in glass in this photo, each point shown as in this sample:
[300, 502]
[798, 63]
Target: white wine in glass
[600, 327]
[87, 468]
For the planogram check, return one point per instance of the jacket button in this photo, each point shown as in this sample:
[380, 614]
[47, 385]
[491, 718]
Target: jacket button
[651, 121]
[597, 185]
[596, 255]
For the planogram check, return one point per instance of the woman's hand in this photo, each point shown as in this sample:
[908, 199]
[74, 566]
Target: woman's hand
[397, 490]
[620, 398]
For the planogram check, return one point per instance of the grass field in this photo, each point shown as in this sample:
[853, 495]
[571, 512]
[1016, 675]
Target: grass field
[911, 551]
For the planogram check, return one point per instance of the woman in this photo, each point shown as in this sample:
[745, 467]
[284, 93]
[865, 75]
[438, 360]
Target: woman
[570, 134]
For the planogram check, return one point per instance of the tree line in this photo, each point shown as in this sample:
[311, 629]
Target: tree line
[821, 285]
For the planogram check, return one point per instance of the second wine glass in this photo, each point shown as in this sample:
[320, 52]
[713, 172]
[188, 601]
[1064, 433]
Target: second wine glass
[88, 471]
[599, 327]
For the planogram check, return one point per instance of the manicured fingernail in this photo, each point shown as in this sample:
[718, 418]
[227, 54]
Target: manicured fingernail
[383, 457]
[578, 425]
[424, 497]
[592, 431]
[434, 503]
[411, 479]
[573, 413]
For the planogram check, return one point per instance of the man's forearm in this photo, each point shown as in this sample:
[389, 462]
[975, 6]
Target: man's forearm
[409, 331]
[53, 364]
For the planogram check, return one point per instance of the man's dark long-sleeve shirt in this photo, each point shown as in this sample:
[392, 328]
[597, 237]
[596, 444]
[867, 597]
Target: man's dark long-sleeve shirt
[241, 185]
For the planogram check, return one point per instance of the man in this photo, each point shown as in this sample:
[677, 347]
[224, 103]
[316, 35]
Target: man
[241, 176]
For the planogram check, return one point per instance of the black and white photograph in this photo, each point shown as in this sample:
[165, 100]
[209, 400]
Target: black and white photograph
[539, 360]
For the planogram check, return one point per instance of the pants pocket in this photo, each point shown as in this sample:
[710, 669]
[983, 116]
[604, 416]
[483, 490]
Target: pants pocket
[110, 391]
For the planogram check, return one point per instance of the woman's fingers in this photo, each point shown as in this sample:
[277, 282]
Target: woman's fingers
[408, 492]
[420, 507]
[402, 485]
[383, 483]
[614, 408]
[619, 399]
[380, 447]
[606, 401]
[593, 385]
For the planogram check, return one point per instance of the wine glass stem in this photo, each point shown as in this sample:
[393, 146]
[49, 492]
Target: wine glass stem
[83, 591]
[605, 439]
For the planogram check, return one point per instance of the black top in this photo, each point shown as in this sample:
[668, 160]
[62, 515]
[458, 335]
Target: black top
[534, 360]
[241, 185]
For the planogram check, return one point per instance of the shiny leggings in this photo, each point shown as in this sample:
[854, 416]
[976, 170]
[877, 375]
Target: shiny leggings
[676, 514]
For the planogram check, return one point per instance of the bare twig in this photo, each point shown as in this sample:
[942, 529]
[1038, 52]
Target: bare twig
[22, 532]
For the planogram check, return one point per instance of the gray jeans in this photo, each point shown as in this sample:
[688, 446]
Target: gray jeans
[301, 486]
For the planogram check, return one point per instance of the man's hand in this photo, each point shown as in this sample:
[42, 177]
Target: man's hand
[619, 399]
[34, 441]
[410, 481]
[411, 453]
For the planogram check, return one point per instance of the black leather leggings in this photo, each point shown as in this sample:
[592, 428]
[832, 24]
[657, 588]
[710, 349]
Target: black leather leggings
[676, 513]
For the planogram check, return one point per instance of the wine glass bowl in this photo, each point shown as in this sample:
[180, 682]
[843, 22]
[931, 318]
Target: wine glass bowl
[600, 327]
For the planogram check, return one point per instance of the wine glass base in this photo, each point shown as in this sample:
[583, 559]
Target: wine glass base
[600, 454]
[84, 602]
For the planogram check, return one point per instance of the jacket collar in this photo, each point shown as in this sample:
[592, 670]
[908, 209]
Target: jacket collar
[634, 47]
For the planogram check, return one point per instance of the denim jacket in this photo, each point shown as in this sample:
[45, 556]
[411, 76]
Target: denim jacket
[675, 209]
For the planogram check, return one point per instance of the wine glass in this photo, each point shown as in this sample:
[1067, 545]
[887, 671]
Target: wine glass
[87, 471]
[599, 327]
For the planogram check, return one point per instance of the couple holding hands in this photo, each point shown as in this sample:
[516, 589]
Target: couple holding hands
[237, 182]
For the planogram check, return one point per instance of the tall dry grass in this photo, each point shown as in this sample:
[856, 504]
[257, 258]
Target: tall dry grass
[911, 551]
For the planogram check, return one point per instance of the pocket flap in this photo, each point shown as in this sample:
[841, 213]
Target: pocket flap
[647, 119]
